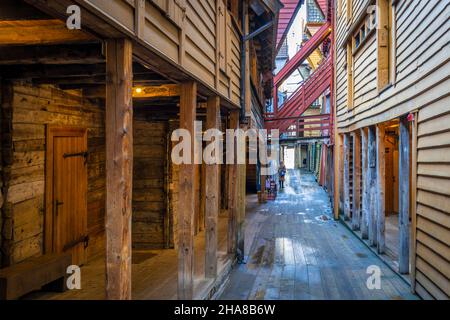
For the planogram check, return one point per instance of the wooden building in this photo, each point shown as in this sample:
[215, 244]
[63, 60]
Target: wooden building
[86, 132]
[392, 185]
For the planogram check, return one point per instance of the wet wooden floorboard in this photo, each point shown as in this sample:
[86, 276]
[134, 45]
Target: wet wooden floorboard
[295, 250]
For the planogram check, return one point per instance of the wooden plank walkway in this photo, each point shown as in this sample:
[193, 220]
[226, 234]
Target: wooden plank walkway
[294, 250]
[154, 273]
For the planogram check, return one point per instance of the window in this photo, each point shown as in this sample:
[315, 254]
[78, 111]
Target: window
[357, 40]
[363, 32]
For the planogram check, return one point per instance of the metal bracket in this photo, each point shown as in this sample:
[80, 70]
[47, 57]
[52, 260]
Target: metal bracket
[258, 31]
[84, 154]
[70, 245]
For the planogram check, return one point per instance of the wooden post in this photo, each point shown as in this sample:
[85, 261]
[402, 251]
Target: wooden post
[346, 176]
[232, 189]
[119, 168]
[240, 231]
[381, 188]
[364, 227]
[356, 217]
[186, 197]
[337, 175]
[404, 196]
[212, 175]
[263, 186]
[371, 178]
[413, 248]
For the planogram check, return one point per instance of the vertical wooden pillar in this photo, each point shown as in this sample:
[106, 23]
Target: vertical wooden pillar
[212, 176]
[186, 197]
[381, 188]
[404, 196]
[240, 232]
[356, 217]
[364, 227]
[202, 215]
[232, 189]
[263, 187]
[119, 168]
[371, 179]
[346, 176]
[414, 155]
[337, 175]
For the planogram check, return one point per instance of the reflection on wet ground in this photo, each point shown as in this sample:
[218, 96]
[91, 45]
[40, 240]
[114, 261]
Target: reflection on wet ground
[295, 250]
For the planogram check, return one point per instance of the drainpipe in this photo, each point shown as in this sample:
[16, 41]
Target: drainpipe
[244, 8]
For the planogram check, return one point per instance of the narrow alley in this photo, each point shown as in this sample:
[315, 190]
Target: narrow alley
[142, 141]
[295, 250]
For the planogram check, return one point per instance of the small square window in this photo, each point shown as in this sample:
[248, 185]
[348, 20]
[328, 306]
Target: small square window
[357, 40]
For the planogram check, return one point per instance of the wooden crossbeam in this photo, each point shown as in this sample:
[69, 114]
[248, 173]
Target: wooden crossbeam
[27, 32]
[87, 53]
[166, 90]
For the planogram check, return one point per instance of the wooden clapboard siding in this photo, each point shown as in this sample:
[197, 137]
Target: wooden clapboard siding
[422, 63]
[419, 82]
[186, 33]
[365, 74]
[31, 109]
[149, 193]
[433, 201]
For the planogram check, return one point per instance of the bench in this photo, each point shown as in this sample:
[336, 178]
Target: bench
[46, 272]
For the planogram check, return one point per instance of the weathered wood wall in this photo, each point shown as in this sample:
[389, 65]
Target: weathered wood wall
[29, 109]
[149, 183]
[420, 82]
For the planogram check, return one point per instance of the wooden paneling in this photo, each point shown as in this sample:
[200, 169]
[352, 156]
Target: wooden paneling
[31, 109]
[149, 187]
[433, 202]
[198, 36]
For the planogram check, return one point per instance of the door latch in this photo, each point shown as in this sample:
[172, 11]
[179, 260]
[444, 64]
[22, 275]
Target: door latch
[57, 204]
[84, 154]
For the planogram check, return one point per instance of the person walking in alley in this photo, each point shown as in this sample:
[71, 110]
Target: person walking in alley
[282, 174]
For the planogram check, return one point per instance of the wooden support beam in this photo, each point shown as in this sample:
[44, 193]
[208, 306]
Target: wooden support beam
[381, 188]
[404, 166]
[240, 230]
[347, 213]
[186, 197]
[414, 154]
[372, 179]
[119, 168]
[232, 188]
[364, 226]
[166, 90]
[87, 53]
[28, 32]
[59, 72]
[356, 217]
[17, 10]
[337, 175]
[139, 17]
[212, 187]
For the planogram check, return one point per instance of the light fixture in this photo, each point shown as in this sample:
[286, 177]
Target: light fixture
[138, 90]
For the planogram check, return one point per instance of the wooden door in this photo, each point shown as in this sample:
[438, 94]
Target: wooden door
[66, 197]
